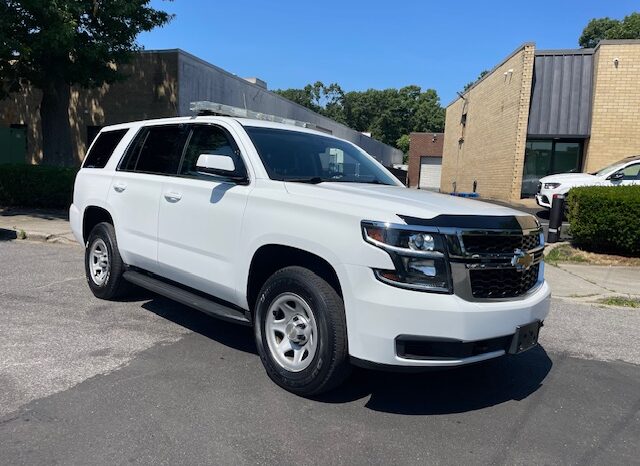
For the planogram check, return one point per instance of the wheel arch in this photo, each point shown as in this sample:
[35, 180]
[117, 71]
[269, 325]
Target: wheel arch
[269, 258]
[91, 217]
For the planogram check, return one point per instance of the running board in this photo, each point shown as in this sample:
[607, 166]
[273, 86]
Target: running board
[208, 306]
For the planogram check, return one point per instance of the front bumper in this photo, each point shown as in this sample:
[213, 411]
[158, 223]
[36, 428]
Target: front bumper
[75, 220]
[379, 315]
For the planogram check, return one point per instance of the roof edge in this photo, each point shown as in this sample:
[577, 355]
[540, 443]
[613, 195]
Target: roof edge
[564, 52]
[617, 42]
[504, 60]
[437, 133]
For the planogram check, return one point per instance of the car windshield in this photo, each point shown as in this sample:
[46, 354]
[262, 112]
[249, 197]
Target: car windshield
[312, 158]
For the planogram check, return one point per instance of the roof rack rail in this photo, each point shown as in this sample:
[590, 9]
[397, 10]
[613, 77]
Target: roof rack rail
[204, 107]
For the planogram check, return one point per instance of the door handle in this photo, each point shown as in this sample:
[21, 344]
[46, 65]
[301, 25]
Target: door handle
[119, 187]
[172, 196]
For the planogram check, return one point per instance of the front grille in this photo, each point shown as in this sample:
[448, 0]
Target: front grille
[530, 241]
[502, 283]
[539, 187]
[499, 244]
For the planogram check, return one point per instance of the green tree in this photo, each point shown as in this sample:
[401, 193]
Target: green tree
[606, 28]
[403, 144]
[429, 115]
[303, 97]
[387, 114]
[326, 100]
[53, 45]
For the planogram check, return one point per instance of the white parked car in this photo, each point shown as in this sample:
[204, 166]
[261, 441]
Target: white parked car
[311, 241]
[622, 173]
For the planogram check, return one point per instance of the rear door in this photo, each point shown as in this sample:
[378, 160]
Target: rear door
[136, 187]
[201, 215]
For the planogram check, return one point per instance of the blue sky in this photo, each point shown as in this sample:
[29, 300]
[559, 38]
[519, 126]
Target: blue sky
[371, 44]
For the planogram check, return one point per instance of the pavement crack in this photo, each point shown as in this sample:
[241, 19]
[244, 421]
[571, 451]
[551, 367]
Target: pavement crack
[585, 279]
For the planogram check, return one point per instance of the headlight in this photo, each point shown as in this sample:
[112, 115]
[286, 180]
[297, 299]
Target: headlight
[419, 257]
[551, 185]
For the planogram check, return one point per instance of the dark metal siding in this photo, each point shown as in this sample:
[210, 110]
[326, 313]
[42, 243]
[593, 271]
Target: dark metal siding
[198, 80]
[561, 95]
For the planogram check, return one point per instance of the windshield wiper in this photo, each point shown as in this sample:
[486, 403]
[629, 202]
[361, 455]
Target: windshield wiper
[310, 180]
[363, 182]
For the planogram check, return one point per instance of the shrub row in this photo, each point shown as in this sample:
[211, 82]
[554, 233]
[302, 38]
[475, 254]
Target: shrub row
[606, 219]
[36, 186]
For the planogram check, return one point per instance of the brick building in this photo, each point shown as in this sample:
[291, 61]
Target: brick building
[425, 160]
[541, 112]
[160, 83]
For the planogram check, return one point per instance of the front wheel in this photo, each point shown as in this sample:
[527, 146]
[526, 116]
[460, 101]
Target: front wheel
[300, 331]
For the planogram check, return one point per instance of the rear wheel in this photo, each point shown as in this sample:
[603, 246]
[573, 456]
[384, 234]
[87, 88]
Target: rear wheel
[103, 265]
[300, 330]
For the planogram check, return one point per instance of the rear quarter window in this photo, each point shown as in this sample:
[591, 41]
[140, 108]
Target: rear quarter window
[103, 147]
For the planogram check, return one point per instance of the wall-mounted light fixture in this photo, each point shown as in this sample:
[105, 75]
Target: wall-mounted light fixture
[616, 62]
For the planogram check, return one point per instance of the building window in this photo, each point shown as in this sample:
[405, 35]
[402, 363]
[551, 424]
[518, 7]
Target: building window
[546, 157]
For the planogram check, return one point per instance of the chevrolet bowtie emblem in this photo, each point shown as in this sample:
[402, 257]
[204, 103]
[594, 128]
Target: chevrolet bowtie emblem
[521, 260]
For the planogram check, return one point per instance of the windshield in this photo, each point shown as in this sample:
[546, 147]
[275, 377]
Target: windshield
[304, 157]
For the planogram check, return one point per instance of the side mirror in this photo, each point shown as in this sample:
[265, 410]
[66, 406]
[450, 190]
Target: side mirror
[617, 176]
[219, 165]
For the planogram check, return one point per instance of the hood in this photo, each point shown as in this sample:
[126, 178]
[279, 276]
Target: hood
[388, 201]
[573, 178]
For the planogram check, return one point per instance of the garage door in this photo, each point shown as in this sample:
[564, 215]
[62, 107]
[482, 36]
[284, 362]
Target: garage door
[430, 170]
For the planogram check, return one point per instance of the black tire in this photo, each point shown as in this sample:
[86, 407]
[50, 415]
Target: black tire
[114, 286]
[330, 364]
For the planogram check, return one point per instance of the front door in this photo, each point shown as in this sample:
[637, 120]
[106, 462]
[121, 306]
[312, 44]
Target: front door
[201, 216]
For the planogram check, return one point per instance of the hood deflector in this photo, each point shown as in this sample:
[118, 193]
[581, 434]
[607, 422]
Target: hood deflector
[479, 222]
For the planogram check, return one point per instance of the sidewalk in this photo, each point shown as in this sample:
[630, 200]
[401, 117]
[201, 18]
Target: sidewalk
[36, 225]
[582, 281]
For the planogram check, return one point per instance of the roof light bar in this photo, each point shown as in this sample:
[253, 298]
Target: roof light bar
[204, 107]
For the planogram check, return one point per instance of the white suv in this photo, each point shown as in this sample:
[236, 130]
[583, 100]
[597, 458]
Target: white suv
[622, 173]
[311, 241]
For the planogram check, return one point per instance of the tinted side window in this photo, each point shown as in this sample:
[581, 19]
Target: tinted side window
[161, 150]
[128, 162]
[632, 172]
[207, 139]
[102, 149]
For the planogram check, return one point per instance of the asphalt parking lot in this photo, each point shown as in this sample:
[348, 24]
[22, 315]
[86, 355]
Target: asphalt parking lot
[83, 381]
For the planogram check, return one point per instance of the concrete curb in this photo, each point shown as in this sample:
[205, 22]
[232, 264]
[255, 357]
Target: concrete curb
[39, 237]
[548, 247]
[594, 299]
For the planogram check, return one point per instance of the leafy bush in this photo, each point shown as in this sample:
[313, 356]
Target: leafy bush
[36, 186]
[606, 219]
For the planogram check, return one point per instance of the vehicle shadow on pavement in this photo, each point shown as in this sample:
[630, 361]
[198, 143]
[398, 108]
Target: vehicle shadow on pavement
[441, 391]
[232, 335]
[448, 391]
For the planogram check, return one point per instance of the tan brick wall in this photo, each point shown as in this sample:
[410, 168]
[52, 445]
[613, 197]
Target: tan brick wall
[150, 91]
[494, 138]
[615, 120]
